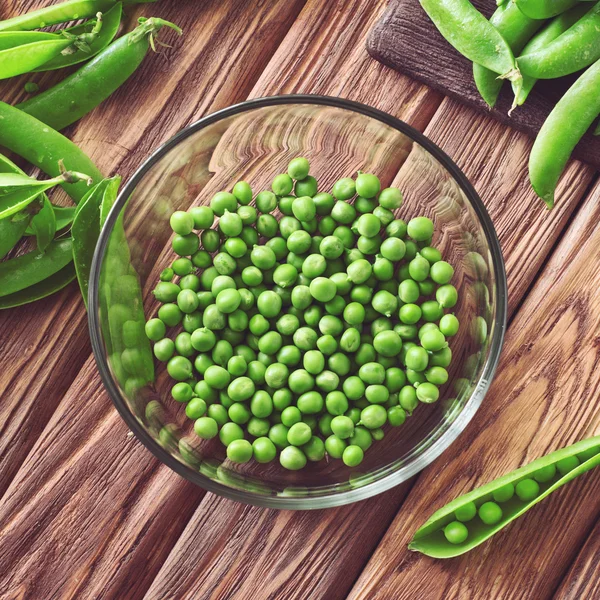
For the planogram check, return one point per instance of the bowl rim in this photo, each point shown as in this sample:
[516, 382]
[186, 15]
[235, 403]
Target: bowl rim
[350, 495]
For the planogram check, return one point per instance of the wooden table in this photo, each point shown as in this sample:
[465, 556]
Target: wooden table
[87, 512]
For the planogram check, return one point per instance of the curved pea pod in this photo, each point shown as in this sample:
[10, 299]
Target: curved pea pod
[40, 290]
[43, 224]
[465, 28]
[30, 269]
[86, 228]
[81, 92]
[548, 34]
[566, 464]
[572, 116]
[575, 49]
[26, 57]
[44, 147]
[63, 12]
[108, 26]
[517, 29]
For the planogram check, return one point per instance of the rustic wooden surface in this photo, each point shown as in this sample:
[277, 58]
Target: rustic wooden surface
[406, 39]
[87, 512]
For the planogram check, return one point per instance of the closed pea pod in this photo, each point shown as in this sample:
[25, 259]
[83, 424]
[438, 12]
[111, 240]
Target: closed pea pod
[435, 538]
[26, 57]
[544, 9]
[517, 29]
[465, 28]
[575, 49]
[555, 142]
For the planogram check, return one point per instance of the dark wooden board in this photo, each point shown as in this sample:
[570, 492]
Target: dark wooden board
[405, 39]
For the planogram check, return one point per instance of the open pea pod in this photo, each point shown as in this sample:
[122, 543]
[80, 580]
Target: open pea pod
[30, 269]
[475, 517]
[107, 26]
[86, 228]
[43, 224]
[40, 290]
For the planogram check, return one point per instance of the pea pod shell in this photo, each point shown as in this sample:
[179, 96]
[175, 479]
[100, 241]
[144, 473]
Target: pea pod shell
[572, 116]
[81, 92]
[40, 145]
[544, 9]
[12, 39]
[60, 13]
[548, 34]
[429, 538]
[465, 28]
[40, 290]
[44, 224]
[86, 229]
[575, 49]
[110, 26]
[29, 269]
[517, 29]
[23, 59]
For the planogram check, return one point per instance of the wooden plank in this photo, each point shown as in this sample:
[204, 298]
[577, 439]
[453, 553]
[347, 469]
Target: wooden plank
[319, 554]
[406, 39]
[542, 399]
[581, 580]
[215, 64]
[90, 490]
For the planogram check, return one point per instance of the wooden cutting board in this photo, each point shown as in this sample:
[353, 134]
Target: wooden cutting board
[405, 39]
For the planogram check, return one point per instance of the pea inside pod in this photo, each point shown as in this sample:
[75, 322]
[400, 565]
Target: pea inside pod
[473, 518]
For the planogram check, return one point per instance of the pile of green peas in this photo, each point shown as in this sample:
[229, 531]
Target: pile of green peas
[303, 336]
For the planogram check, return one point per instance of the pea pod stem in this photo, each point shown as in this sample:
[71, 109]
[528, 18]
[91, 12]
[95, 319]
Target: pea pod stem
[44, 147]
[95, 81]
[64, 12]
[430, 540]
[517, 29]
[572, 116]
[575, 49]
[465, 28]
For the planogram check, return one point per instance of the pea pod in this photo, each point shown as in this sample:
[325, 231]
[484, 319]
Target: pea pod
[82, 91]
[18, 190]
[572, 116]
[64, 217]
[548, 34]
[44, 147]
[40, 290]
[43, 224]
[512, 494]
[29, 269]
[517, 29]
[97, 40]
[544, 9]
[72, 10]
[465, 28]
[26, 57]
[575, 49]
[86, 228]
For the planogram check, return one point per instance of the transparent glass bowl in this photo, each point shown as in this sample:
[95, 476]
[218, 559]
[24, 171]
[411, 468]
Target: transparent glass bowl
[254, 141]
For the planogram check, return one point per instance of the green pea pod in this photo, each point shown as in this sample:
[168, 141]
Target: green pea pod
[543, 475]
[11, 231]
[44, 147]
[597, 130]
[110, 26]
[64, 217]
[82, 91]
[18, 190]
[575, 49]
[13, 39]
[26, 57]
[61, 13]
[44, 224]
[517, 29]
[29, 269]
[544, 9]
[572, 116]
[465, 28]
[86, 229]
[40, 290]
[548, 34]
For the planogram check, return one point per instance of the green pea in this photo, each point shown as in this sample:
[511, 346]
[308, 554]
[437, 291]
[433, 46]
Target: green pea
[567, 464]
[239, 413]
[504, 493]
[343, 212]
[368, 225]
[545, 474]
[490, 513]
[393, 249]
[179, 368]
[420, 229]
[278, 435]
[335, 446]
[390, 198]
[292, 458]
[203, 217]
[306, 186]
[359, 271]
[418, 268]
[527, 490]
[353, 455]
[466, 512]
[241, 389]
[310, 403]
[299, 434]
[361, 438]
[239, 451]
[396, 228]
[206, 428]
[195, 408]
[373, 416]
[264, 450]
[428, 393]
[456, 533]
[344, 189]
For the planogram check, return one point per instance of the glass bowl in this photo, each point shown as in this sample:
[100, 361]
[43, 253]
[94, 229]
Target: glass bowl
[254, 141]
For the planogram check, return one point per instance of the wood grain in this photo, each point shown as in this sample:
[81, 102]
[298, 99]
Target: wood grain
[40, 364]
[406, 39]
[543, 398]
